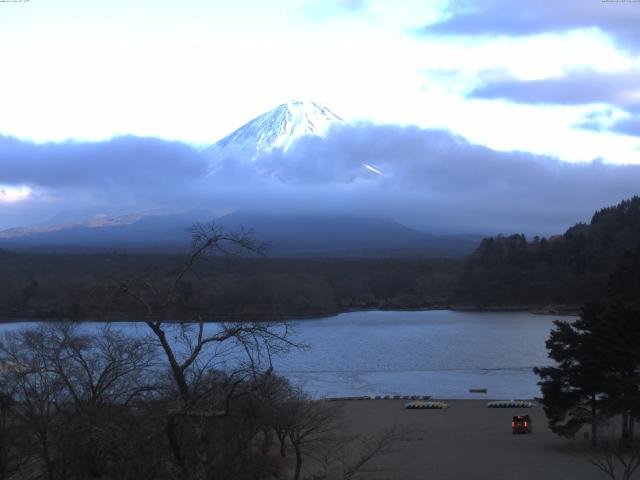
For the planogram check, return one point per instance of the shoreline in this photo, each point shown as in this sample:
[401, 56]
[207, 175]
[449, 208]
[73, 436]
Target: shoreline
[546, 310]
[409, 398]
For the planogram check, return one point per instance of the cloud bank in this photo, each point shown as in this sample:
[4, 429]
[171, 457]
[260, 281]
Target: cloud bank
[123, 162]
[505, 18]
[430, 179]
[574, 88]
[628, 126]
[531, 17]
[617, 90]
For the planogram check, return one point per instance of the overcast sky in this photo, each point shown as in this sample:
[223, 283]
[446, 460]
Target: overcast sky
[523, 87]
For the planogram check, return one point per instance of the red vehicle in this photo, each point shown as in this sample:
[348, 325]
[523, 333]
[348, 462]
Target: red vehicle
[521, 424]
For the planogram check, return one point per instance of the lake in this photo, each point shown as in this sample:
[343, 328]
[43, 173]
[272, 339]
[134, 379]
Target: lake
[442, 353]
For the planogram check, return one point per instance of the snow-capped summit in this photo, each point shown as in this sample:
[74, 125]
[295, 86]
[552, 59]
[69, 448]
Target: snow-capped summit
[281, 126]
[278, 128]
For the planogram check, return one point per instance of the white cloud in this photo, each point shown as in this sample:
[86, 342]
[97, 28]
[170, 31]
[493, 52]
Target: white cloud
[196, 73]
[13, 194]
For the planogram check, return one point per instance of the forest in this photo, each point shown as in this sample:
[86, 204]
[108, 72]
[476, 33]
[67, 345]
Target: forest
[174, 402]
[565, 269]
[503, 272]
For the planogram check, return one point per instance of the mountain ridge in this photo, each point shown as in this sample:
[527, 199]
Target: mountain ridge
[285, 235]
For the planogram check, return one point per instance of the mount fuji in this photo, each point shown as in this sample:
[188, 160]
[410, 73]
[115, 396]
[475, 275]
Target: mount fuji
[287, 235]
[280, 127]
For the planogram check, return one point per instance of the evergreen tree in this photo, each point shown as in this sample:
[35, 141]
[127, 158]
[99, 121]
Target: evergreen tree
[618, 328]
[598, 360]
[573, 393]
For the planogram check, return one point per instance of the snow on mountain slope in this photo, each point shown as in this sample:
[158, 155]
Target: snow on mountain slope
[281, 126]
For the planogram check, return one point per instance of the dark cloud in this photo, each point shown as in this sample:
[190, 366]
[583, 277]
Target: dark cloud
[121, 162]
[577, 87]
[635, 108]
[628, 126]
[618, 90]
[431, 179]
[531, 17]
[118, 174]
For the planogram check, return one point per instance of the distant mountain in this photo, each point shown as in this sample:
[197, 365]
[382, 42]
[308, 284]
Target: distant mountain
[298, 235]
[281, 126]
[135, 232]
[343, 235]
[321, 234]
[100, 220]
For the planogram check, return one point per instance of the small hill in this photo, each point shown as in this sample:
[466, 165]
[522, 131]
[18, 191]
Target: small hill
[568, 268]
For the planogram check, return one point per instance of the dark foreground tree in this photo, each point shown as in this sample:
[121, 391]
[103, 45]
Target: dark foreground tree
[71, 395]
[572, 391]
[598, 360]
[196, 352]
[10, 437]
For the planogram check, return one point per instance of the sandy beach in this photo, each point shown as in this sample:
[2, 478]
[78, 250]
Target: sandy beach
[469, 441]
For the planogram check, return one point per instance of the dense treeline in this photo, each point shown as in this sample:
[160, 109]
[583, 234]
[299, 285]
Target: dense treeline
[596, 379]
[81, 286]
[504, 271]
[570, 268]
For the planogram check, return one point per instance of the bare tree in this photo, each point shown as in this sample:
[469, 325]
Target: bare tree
[104, 368]
[282, 401]
[313, 426]
[187, 400]
[68, 387]
[316, 431]
[368, 449]
[10, 435]
[192, 349]
[615, 459]
[38, 390]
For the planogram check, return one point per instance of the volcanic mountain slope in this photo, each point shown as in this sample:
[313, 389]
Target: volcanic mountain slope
[280, 127]
[284, 235]
[136, 232]
[342, 235]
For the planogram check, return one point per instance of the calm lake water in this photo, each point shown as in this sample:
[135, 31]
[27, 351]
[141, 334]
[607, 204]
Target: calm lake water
[439, 353]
